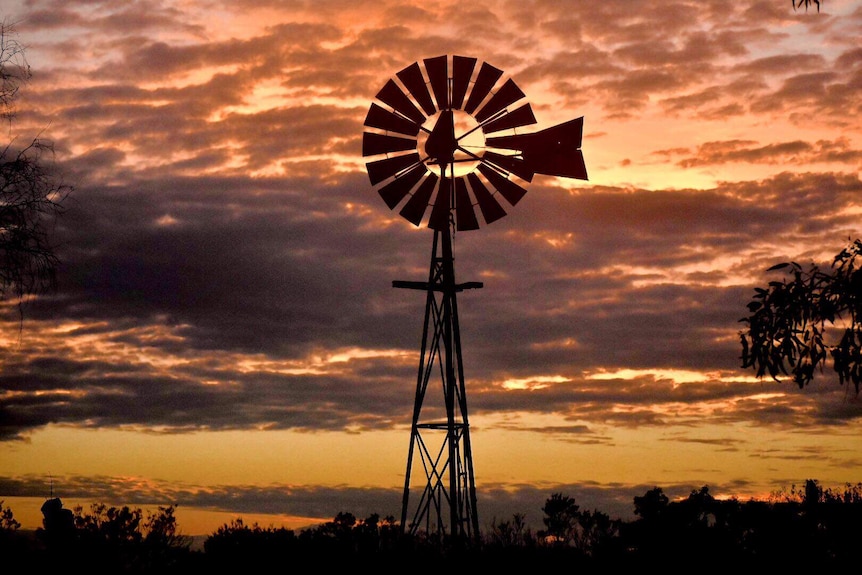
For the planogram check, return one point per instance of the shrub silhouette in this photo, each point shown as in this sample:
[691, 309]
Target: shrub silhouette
[805, 526]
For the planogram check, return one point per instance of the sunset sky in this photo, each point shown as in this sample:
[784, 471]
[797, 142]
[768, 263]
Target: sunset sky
[225, 336]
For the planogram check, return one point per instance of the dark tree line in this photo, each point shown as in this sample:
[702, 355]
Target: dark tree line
[809, 526]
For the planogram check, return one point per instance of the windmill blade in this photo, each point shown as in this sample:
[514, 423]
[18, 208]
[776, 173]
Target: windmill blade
[391, 94]
[438, 75]
[374, 144]
[393, 192]
[388, 167]
[414, 210]
[511, 164]
[379, 117]
[412, 78]
[465, 216]
[491, 209]
[488, 76]
[522, 116]
[506, 187]
[462, 71]
[509, 93]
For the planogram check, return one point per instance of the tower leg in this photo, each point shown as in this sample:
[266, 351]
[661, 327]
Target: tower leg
[439, 492]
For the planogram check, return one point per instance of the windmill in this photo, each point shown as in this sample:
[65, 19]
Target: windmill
[444, 140]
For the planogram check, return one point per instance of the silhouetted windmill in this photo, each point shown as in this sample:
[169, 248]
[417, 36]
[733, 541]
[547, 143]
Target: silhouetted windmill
[430, 136]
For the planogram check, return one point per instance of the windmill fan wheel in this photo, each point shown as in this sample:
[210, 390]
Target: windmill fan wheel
[442, 146]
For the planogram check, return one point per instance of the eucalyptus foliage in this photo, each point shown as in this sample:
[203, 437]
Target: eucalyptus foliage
[812, 316]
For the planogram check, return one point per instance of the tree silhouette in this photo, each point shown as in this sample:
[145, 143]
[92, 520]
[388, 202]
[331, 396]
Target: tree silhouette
[30, 194]
[797, 323]
[512, 533]
[597, 533]
[8, 522]
[799, 3]
[561, 518]
[652, 504]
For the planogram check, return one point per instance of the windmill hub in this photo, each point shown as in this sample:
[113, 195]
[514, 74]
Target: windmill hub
[466, 153]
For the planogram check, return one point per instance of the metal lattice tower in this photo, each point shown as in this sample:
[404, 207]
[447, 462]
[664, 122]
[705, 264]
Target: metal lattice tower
[440, 460]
